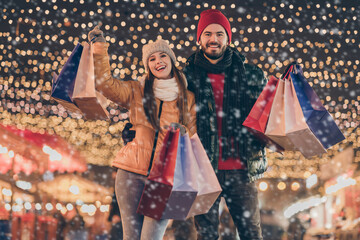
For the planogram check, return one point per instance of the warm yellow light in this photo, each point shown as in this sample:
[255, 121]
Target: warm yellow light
[281, 186]
[63, 210]
[295, 186]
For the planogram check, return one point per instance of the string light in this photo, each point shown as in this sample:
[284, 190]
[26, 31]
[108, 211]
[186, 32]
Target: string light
[287, 33]
[263, 186]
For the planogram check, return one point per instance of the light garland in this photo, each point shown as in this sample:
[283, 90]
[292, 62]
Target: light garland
[43, 33]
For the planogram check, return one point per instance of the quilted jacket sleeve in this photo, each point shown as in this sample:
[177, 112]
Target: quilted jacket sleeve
[191, 125]
[120, 92]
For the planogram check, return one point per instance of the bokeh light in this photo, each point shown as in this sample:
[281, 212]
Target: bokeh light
[37, 37]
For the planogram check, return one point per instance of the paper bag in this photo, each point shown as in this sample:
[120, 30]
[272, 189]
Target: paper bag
[91, 103]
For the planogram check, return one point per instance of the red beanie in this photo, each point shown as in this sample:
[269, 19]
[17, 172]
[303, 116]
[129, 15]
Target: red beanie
[210, 16]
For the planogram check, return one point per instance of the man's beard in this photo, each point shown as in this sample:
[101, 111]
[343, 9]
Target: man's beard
[214, 56]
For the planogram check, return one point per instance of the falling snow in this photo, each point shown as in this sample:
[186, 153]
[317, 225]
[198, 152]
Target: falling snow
[37, 37]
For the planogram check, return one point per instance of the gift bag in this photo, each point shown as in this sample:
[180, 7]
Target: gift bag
[296, 128]
[208, 185]
[160, 181]
[317, 117]
[91, 103]
[287, 126]
[275, 128]
[258, 117]
[63, 85]
[185, 186]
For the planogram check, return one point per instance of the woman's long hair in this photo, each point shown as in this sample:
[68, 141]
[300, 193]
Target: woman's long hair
[149, 101]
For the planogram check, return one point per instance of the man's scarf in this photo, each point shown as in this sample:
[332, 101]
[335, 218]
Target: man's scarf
[233, 100]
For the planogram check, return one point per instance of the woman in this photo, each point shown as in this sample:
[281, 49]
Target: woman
[160, 101]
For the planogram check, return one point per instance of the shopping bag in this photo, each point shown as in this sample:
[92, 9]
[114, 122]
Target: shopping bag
[63, 85]
[275, 128]
[91, 102]
[185, 186]
[286, 124]
[317, 117]
[258, 117]
[209, 188]
[296, 128]
[160, 181]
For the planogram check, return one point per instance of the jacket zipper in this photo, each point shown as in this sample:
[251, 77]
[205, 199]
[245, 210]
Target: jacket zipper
[155, 140]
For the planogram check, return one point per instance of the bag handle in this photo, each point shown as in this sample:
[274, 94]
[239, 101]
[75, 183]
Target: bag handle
[287, 74]
[288, 70]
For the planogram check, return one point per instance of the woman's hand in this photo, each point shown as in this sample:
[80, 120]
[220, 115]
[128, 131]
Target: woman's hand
[178, 125]
[96, 35]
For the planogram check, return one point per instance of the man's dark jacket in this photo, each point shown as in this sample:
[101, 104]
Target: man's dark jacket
[252, 82]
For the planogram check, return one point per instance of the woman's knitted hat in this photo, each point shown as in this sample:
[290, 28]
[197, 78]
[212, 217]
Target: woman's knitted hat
[159, 45]
[211, 16]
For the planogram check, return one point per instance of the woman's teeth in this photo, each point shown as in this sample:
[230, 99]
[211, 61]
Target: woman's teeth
[160, 68]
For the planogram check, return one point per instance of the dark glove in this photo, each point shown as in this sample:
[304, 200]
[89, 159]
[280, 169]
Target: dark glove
[128, 135]
[178, 125]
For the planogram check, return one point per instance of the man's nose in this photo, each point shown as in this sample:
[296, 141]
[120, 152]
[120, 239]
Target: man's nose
[213, 37]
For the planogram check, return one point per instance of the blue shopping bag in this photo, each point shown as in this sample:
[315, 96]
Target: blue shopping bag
[317, 117]
[63, 85]
[185, 188]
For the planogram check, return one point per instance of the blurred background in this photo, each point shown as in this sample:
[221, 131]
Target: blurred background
[55, 173]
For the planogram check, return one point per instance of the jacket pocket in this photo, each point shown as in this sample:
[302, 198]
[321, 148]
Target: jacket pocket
[134, 155]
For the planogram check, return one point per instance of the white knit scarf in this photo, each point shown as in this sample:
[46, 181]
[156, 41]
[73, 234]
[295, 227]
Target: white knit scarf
[166, 89]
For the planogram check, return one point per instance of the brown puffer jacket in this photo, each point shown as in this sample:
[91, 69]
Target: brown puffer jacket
[135, 156]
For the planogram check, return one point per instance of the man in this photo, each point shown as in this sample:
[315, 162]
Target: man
[225, 90]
